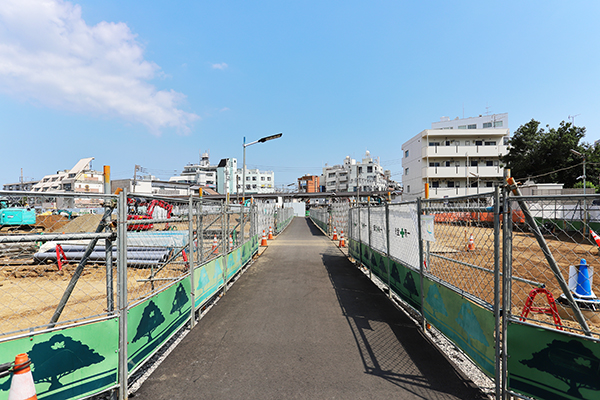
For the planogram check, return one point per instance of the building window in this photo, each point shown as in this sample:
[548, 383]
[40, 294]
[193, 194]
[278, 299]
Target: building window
[435, 184]
[247, 178]
[487, 125]
[474, 184]
[432, 144]
[254, 186]
[490, 143]
[268, 178]
[253, 178]
[489, 184]
[447, 143]
[406, 171]
[462, 127]
[479, 143]
[447, 163]
[369, 169]
[434, 164]
[472, 126]
[467, 143]
[474, 163]
[457, 164]
[450, 184]
[497, 124]
[407, 188]
[489, 163]
[406, 154]
[262, 178]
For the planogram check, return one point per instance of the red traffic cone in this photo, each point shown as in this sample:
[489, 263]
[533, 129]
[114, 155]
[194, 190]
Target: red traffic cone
[215, 246]
[471, 243]
[263, 242]
[334, 234]
[270, 233]
[596, 237]
[21, 386]
[342, 241]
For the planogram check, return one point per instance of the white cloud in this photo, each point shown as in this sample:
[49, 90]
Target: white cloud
[224, 109]
[50, 55]
[220, 66]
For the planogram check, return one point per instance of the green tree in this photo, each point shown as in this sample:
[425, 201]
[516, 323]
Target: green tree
[546, 153]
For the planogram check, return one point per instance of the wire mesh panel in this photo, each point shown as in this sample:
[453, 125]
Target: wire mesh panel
[321, 217]
[339, 216]
[364, 225]
[462, 254]
[404, 236]
[568, 228]
[378, 229]
[265, 217]
[53, 264]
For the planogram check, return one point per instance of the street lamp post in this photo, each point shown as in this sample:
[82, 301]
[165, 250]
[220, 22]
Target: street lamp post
[585, 231]
[261, 140]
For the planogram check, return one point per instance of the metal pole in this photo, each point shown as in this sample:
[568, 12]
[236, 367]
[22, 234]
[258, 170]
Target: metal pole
[108, 245]
[506, 281]
[242, 224]
[387, 234]
[200, 232]
[191, 261]
[224, 245]
[122, 292]
[369, 223]
[497, 349]
[359, 237]
[421, 269]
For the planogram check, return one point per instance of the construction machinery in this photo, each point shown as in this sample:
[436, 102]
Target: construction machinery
[140, 209]
[15, 216]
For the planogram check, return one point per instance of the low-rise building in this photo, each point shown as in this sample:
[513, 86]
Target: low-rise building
[458, 157]
[309, 184]
[352, 176]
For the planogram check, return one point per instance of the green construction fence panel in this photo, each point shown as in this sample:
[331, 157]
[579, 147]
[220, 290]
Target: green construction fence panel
[468, 325]
[550, 364]
[70, 363]
[154, 321]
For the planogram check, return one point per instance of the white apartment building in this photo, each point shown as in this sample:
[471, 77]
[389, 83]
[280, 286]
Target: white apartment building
[202, 174]
[229, 179]
[351, 176]
[456, 158]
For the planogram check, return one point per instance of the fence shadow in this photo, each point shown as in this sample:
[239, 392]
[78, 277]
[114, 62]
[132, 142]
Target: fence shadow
[390, 345]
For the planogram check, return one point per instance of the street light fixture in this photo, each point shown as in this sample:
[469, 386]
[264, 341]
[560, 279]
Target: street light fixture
[578, 154]
[261, 140]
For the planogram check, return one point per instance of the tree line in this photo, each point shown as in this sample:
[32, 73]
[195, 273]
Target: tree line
[545, 156]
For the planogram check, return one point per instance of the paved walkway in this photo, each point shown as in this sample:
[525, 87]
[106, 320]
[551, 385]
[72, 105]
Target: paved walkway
[304, 323]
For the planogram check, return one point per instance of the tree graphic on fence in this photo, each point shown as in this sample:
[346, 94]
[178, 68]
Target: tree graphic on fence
[203, 281]
[468, 321]
[570, 362]
[434, 298]
[60, 356]
[152, 318]
[180, 300]
[409, 284]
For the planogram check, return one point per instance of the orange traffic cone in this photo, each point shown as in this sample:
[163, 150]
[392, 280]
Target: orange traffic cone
[263, 242]
[230, 242]
[596, 237]
[215, 246]
[270, 233]
[334, 234]
[342, 242]
[21, 386]
[471, 243]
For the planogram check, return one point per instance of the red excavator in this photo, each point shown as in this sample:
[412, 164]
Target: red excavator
[136, 212]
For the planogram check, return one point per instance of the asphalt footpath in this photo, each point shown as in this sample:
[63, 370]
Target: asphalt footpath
[303, 323]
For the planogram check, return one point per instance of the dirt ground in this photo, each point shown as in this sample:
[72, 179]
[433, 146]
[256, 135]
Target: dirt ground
[529, 264]
[30, 292]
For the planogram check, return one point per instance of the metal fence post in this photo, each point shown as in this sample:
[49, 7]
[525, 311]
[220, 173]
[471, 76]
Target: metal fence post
[108, 245]
[369, 231]
[200, 232]
[359, 237]
[497, 349]
[224, 244]
[191, 261]
[421, 269]
[506, 281]
[122, 292]
[387, 236]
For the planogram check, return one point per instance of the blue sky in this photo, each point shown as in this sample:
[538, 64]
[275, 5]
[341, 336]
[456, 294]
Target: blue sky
[154, 83]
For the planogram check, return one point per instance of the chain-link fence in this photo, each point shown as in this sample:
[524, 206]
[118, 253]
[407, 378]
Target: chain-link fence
[70, 262]
[321, 217]
[489, 271]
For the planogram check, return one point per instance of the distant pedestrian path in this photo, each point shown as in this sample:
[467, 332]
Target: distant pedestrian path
[304, 323]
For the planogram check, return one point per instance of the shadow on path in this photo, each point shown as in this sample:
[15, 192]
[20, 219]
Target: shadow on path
[391, 346]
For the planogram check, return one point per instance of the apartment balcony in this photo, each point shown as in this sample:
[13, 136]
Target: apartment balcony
[457, 191]
[463, 151]
[454, 172]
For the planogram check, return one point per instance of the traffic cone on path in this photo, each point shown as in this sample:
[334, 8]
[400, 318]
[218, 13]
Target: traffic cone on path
[263, 242]
[230, 242]
[270, 233]
[21, 386]
[596, 239]
[471, 243]
[215, 246]
[342, 241]
[334, 234]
